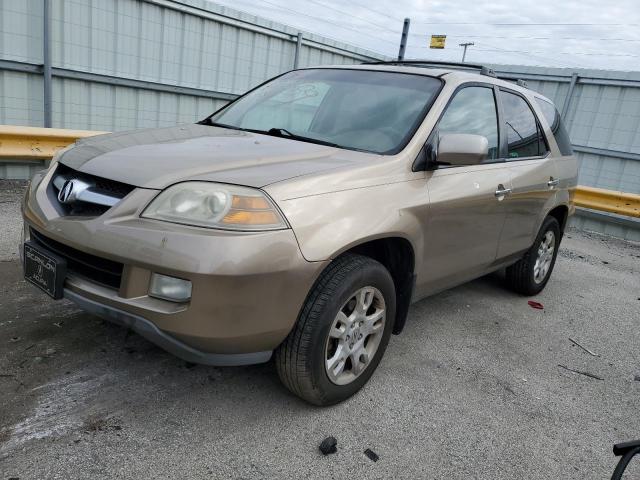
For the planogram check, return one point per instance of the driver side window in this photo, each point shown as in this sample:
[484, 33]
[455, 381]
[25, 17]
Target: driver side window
[473, 110]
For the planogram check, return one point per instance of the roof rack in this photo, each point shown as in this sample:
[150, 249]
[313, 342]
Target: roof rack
[481, 69]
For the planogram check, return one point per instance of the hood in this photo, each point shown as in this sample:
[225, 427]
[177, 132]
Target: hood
[157, 158]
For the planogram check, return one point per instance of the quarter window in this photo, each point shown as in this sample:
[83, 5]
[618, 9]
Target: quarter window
[557, 127]
[473, 110]
[524, 137]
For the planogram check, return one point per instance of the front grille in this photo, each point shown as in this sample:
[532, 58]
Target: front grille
[112, 189]
[96, 269]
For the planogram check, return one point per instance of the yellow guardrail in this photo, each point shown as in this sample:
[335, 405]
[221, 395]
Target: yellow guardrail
[41, 143]
[37, 143]
[622, 203]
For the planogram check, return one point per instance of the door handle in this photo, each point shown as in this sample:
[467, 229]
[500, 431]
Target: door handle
[501, 191]
[553, 182]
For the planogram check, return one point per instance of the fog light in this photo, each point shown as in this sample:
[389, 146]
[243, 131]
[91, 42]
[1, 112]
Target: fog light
[169, 288]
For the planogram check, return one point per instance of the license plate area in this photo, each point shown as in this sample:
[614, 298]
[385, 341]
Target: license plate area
[44, 269]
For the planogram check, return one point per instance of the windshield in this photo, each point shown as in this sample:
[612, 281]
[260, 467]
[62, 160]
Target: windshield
[355, 109]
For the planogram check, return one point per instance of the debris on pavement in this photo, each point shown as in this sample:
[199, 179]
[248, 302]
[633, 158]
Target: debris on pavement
[580, 372]
[58, 324]
[536, 305]
[371, 454]
[99, 423]
[328, 446]
[583, 347]
[94, 423]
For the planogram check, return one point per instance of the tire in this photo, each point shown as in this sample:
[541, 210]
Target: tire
[523, 276]
[301, 360]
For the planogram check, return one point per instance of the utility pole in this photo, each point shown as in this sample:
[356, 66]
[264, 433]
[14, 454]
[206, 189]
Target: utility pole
[403, 38]
[46, 63]
[296, 56]
[464, 53]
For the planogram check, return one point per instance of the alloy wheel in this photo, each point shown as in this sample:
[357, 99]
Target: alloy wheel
[545, 257]
[355, 335]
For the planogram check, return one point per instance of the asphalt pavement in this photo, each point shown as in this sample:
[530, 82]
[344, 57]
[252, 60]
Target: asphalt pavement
[479, 385]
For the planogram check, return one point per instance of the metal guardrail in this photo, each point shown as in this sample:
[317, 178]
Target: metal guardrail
[621, 203]
[34, 143]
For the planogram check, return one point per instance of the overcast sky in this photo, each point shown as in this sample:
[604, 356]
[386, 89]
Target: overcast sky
[561, 33]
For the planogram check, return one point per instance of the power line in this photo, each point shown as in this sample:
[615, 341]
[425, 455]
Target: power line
[422, 35]
[604, 54]
[527, 54]
[342, 12]
[378, 26]
[379, 12]
[598, 54]
[334, 23]
[527, 24]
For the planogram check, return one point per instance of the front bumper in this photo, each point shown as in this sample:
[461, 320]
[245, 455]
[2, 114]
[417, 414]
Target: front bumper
[148, 330]
[247, 288]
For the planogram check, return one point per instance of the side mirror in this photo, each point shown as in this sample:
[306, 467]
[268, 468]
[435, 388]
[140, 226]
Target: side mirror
[461, 149]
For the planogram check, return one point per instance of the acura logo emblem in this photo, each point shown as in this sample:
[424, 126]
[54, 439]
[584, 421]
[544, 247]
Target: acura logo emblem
[71, 190]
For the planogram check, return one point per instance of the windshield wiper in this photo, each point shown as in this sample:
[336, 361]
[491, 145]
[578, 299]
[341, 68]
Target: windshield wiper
[284, 133]
[208, 121]
[274, 132]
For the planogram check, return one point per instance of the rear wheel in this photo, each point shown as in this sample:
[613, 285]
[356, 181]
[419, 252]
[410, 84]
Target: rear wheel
[341, 333]
[531, 273]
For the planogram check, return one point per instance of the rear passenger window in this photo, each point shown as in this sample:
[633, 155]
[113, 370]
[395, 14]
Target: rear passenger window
[554, 120]
[524, 138]
[473, 110]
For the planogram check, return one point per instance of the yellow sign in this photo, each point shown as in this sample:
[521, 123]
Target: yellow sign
[437, 41]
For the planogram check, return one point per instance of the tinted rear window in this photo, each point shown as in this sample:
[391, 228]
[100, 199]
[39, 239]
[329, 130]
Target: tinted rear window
[557, 127]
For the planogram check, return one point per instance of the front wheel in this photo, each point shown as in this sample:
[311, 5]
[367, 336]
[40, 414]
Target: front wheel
[341, 333]
[530, 274]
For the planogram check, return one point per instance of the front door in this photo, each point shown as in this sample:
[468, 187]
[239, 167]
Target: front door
[466, 217]
[466, 203]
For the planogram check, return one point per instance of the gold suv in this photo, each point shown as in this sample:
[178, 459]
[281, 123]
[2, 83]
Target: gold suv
[303, 218]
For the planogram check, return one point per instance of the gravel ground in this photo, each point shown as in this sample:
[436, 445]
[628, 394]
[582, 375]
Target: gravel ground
[471, 389]
[10, 221]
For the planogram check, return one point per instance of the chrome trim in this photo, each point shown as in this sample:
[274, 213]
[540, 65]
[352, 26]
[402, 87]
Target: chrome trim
[59, 181]
[87, 195]
[502, 191]
[90, 196]
[553, 182]
[72, 190]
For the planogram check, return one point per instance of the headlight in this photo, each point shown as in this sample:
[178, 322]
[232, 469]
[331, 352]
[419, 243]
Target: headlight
[215, 205]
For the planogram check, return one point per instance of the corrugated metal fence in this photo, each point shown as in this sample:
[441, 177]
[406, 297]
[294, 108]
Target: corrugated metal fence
[122, 64]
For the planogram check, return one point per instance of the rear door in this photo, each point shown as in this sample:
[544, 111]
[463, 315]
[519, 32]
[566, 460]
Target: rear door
[466, 215]
[534, 179]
